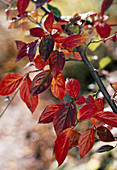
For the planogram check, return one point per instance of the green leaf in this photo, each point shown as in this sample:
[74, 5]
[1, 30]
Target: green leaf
[93, 46]
[55, 10]
[104, 62]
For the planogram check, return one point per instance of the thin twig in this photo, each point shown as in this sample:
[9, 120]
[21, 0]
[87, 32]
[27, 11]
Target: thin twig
[9, 103]
[73, 59]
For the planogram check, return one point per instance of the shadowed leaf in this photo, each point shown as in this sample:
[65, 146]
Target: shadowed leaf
[55, 10]
[74, 139]
[49, 22]
[22, 5]
[105, 148]
[105, 5]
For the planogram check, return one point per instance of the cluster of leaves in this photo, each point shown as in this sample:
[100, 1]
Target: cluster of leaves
[49, 49]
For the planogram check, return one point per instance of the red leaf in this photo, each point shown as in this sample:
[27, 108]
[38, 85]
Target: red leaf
[90, 100]
[40, 3]
[39, 64]
[109, 118]
[49, 112]
[86, 141]
[9, 83]
[105, 5]
[72, 87]
[80, 100]
[58, 38]
[86, 112]
[49, 22]
[46, 47]
[103, 29]
[74, 41]
[22, 52]
[77, 55]
[104, 134]
[41, 82]
[22, 5]
[56, 62]
[115, 37]
[31, 102]
[37, 32]
[74, 139]
[59, 24]
[61, 146]
[20, 44]
[65, 118]
[99, 104]
[58, 86]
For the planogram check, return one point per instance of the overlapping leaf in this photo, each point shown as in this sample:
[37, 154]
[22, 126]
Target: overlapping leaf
[72, 87]
[49, 22]
[46, 47]
[56, 62]
[74, 41]
[107, 117]
[22, 5]
[65, 118]
[50, 111]
[31, 102]
[105, 5]
[61, 146]
[74, 139]
[39, 64]
[58, 86]
[37, 32]
[86, 142]
[9, 83]
[104, 134]
[40, 3]
[41, 82]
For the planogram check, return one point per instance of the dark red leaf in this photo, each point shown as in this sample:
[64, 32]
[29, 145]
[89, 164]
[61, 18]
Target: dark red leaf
[20, 44]
[74, 139]
[40, 3]
[103, 29]
[58, 86]
[72, 87]
[107, 117]
[49, 112]
[105, 148]
[90, 100]
[59, 24]
[56, 62]
[105, 5]
[115, 37]
[31, 102]
[9, 83]
[104, 134]
[39, 64]
[58, 38]
[86, 142]
[49, 22]
[41, 82]
[65, 118]
[80, 100]
[46, 47]
[61, 146]
[22, 5]
[22, 53]
[74, 41]
[37, 32]
[86, 112]
[99, 104]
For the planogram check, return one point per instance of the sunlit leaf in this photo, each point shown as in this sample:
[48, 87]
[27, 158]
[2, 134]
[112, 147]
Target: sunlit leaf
[56, 62]
[99, 104]
[37, 32]
[46, 47]
[49, 22]
[31, 102]
[74, 41]
[104, 62]
[61, 145]
[77, 56]
[80, 100]
[65, 118]
[86, 142]
[41, 82]
[107, 117]
[72, 87]
[101, 27]
[105, 148]
[104, 134]
[58, 86]
[22, 5]
[49, 112]
[9, 83]
[58, 38]
[105, 5]
[39, 64]
[86, 112]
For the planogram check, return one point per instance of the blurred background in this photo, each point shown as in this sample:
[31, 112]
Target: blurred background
[27, 145]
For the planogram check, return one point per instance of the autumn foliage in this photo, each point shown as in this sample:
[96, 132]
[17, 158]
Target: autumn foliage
[52, 48]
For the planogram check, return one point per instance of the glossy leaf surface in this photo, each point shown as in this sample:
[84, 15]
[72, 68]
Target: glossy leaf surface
[31, 102]
[86, 142]
[58, 86]
[41, 82]
[46, 47]
[56, 62]
[9, 83]
[65, 118]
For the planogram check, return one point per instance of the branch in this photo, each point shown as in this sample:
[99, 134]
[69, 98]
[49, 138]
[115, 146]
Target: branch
[92, 70]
